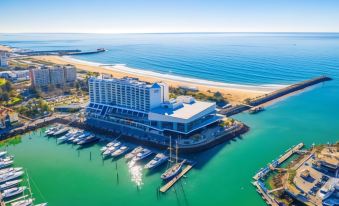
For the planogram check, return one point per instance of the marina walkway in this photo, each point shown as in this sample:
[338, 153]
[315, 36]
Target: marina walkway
[168, 185]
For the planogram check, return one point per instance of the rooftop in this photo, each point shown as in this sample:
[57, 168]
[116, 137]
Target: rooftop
[186, 111]
[128, 80]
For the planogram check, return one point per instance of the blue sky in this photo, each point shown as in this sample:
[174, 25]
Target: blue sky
[125, 16]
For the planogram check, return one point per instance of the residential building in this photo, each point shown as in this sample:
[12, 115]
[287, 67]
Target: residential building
[128, 104]
[4, 56]
[70, 73]
[40, 77]
[57, 75]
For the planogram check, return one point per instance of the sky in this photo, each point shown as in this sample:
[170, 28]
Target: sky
[153, 16]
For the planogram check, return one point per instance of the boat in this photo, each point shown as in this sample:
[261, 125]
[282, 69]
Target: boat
[11, 176]
[41, 204]
[13, 192]
[122, 150]
[110, 144]
[172, 171]
[9, 184]
[175, 168]
[5, 164]
[134, 152]
[142, 154]
[66, 136]
[79, 133]
[109, 151]
[6, 159]
[61, 131]
[52, 130]
[88, 140]
[81, 137]
[8, 170]
[3, 153]
[159, 159]
[255, 110]
[28, 202]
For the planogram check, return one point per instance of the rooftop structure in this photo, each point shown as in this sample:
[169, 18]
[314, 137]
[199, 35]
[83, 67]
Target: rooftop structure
[144, 106]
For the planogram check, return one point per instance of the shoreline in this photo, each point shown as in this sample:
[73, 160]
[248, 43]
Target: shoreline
[234, 93]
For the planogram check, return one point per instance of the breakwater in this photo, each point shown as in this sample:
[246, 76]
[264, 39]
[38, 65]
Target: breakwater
[273, 96]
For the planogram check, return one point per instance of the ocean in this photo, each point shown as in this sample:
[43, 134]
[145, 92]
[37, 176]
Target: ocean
[223, 175]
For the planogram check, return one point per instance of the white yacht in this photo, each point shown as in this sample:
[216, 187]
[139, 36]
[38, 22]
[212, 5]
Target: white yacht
[134, 152]
[28, 202]
[13, 191]
[110, 144]
[5, 164]
[61, 131]
[8, 170]
[3, 153]
[159, 159]
[9, 184]
[11, 176]
[122, 150]
[142, 154]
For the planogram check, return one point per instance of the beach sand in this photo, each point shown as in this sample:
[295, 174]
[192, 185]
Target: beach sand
[5, 48]
[233, 92]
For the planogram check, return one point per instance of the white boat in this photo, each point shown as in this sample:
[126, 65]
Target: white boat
[52, 130]
[134, 152]
[81, 137]
[28, 202]
[6, 159]
[67, 136]
[110, 144]
[8, 170]
[159, 159]
[79, 133]
[90, 139]
[3, 153]
[122, 150]
[5, 164]
[41, 204]
[142, 154]
[11, 176]
[172, 171]
[108, 152]
[13, 191]
[9, 184]
[61, 131]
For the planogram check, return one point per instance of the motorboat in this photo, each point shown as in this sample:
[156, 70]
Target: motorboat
[110, 144]
[134, 152]
[10, 176]
[6, 158]
[81, 137]
[67, 136]
[52, 130]
[9, 184]
[8, 170]
[88, 140]
[122, 150]
[3, 153]
[5, 164]
[142, 154]
[61, 131]
[13, 191]
[28, 202]
[76, 135]
[109, 151]
[159, 159]
[172, 171]
[41, 204]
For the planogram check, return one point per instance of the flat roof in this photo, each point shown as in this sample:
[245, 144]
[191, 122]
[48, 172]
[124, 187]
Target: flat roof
[186, 111]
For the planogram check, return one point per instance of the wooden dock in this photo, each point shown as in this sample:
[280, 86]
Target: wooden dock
[168, 185]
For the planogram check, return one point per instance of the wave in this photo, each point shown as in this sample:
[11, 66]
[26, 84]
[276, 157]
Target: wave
[147, 73]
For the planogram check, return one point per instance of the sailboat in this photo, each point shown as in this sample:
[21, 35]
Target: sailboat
[174, 169]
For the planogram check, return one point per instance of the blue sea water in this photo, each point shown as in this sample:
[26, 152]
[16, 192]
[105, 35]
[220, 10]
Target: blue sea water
[223, 175]
[245, 58]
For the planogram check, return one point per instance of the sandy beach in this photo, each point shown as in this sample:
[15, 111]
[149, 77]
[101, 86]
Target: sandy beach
[5, 48]
[233, 92]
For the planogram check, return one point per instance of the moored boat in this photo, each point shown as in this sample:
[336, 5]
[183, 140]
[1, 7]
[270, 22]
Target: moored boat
[159, 159]
[3, 153]
[27, 202]
[11, 176]
[8, 170]
[9, 184]
[88, 140]
[172, 171]
[134, 152]
[5, 164]
[61, 131]
[122, 150]
[13, 192]
[142, 154]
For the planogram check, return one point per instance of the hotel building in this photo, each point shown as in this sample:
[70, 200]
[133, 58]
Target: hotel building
[40, 77]
[126, 105]
[56, 75]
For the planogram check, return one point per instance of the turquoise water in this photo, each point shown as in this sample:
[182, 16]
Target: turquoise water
[223, 175]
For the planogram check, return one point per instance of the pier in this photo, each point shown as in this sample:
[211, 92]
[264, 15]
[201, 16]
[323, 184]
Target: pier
[169, 184]
[273, 95]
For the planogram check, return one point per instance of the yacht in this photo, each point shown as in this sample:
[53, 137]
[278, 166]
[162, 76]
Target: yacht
[28, 202]
[172, 171]
[8, 170]
[9, 184]
[5, 164]
[52, 130]
[81, 137]
[13, 191]
[6, 159]
[159, 159]
[88, 140]
[3, 153]
[11, 176]
[41, 204]
[110, 144]
[79, 133]
[61, 131]
[142, 154]
[134, 152]
[122, 150]
[109, 151]
[66, 136]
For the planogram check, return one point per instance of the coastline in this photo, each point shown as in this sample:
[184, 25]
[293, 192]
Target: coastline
[5, 48]
[235, 93]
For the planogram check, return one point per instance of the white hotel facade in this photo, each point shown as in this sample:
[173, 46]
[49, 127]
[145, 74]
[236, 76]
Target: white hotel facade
[125, 105]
